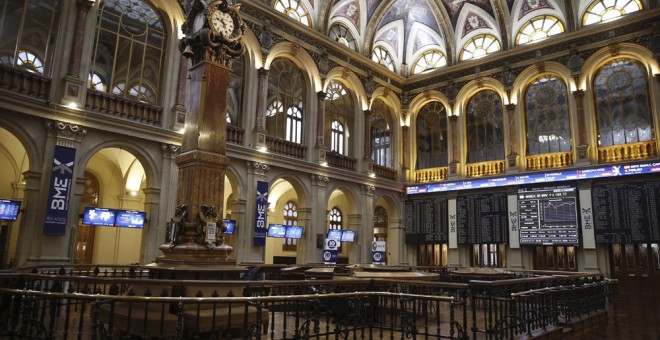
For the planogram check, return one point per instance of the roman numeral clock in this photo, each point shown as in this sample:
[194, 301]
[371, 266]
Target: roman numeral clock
[214, 27]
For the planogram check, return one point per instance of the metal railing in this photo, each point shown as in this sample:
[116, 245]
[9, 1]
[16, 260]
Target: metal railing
[113, 301]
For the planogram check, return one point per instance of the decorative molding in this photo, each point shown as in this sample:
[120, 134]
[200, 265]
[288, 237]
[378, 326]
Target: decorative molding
[85, 5]
[368, 189]
[170, 151]
[320, 180]
[67, 133]
[258, 168]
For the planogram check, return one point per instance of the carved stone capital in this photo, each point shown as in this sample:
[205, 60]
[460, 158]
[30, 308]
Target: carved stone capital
[170, 150]
[258, 168]
[262, 72]
[368, 189]
[67, 132]
[321, 95]
[320, 180]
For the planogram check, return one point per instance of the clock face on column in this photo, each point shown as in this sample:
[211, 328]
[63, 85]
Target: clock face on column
[222, 24]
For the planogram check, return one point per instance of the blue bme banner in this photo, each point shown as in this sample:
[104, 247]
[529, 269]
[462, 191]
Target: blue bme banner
[60, 191]
[261, 212]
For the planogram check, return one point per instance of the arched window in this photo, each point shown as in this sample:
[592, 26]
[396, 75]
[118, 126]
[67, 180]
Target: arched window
[294, 125]
[290, 218]
[428, 61]
[485, 127]
[235, 92]
[129, 48]
[27, 41]
[30, 62]
[622, 104]
[380, 224]
[604, 10]
[546, 114]
[479, 46]
[343, 36]
[381, 56]
[295, 10]
[339, 112]
[336, 219]
[337, 138]
[286, 90]
[97, 82]
[381, 139]
[432, 136]
[539, 28]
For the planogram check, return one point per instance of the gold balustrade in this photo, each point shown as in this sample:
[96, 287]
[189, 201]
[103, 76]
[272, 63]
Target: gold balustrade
[549, 160]
[489, 168]
[431, 174]
[626, 152]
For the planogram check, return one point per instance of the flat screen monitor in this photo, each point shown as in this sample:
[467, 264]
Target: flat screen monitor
[276, 230]
[99, 216]
[9, 210]
[294, 231]
[348, 236]
[130, 219]
[230, 226]
[548, 215]
[334, 234]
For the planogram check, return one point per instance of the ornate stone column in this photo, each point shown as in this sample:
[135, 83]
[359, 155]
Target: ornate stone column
[320, 146]
[583, 144]
[262, 92]
[319, 206]
[366, 232]
[367, 162]
[453, 165]
[179, 108]
[38, 247]
[405, 131]
[74, 86]
[256, 171]
[513, 138]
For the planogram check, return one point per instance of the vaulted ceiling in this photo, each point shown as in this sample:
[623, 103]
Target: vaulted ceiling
[412, 36]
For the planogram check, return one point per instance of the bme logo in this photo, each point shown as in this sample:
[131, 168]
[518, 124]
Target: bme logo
[61, 185]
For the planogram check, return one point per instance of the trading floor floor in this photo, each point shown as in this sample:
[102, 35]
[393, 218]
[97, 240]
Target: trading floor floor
[632, 316]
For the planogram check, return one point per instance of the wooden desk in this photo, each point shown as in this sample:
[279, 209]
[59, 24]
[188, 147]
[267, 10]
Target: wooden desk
[397, 275]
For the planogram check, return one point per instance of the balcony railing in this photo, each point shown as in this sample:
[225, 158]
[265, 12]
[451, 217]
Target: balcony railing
[384, 172]
[431, 174]
[626, 152]
[484, 168]
[66, 305]
[284, 147]
[337, 160]
[23, 82]
[235, 134]
[549, 160]
[109, 104]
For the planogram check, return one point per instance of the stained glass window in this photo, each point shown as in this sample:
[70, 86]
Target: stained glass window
[428, 61]
[485, 127]
[622, 104]
[432, 136]
[604, 10]
[284, 114]
[381, 56]
[343, 36]
[479, 46]
[546, 115]
[381, 139]
[539, 28]
[295, 10]
[129, 48]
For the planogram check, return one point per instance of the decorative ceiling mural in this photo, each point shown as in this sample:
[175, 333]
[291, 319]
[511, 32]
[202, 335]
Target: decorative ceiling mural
[408, 29]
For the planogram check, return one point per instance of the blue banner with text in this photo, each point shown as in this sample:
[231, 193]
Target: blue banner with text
[60, 191]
